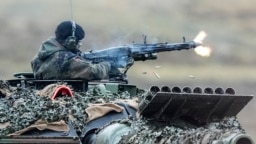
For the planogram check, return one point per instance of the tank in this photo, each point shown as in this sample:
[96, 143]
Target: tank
[112, 111]
[160, 114]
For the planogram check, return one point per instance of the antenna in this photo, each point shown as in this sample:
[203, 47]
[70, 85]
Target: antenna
[71, 9]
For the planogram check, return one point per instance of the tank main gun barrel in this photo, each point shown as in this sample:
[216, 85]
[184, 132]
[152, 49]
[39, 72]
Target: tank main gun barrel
[236, 139]
[226, 132]
[152, 132]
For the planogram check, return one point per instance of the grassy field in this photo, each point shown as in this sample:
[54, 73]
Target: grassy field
[230, 27]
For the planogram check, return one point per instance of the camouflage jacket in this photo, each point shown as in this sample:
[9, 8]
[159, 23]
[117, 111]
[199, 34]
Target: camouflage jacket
[53, 61]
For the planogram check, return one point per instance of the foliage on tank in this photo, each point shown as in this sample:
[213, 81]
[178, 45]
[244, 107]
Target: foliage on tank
[24, 106]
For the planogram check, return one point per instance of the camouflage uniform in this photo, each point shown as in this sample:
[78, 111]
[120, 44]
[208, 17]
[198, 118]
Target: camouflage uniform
[53, 61]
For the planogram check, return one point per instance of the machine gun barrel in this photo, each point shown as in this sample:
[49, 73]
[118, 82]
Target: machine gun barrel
[142, 52]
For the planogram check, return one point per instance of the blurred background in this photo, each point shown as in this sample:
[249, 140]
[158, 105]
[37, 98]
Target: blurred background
[230, 26]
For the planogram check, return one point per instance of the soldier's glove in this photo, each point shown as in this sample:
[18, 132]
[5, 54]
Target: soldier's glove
[124, 63]
[114, 71]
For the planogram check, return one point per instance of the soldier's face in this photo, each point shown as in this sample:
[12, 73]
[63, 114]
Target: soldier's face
[79, 44]
[72, 44]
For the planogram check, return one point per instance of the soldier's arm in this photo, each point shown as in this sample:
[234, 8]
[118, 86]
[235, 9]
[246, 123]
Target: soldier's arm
[78, 68]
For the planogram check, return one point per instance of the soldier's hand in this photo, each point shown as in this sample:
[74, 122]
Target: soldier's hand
[114, 71]
[125, 62]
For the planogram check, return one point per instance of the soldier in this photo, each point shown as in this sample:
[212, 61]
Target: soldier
[60, 58]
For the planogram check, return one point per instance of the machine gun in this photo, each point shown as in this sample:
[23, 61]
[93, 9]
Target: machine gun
[124, 56]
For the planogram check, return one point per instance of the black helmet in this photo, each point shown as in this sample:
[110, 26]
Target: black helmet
[64, 30]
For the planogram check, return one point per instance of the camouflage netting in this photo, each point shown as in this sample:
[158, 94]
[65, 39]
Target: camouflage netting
[20, 108]
[176, 132]
[23, 107]
[4, 89]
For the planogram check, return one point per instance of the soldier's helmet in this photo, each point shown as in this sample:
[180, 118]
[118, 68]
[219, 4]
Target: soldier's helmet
[69, 33]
